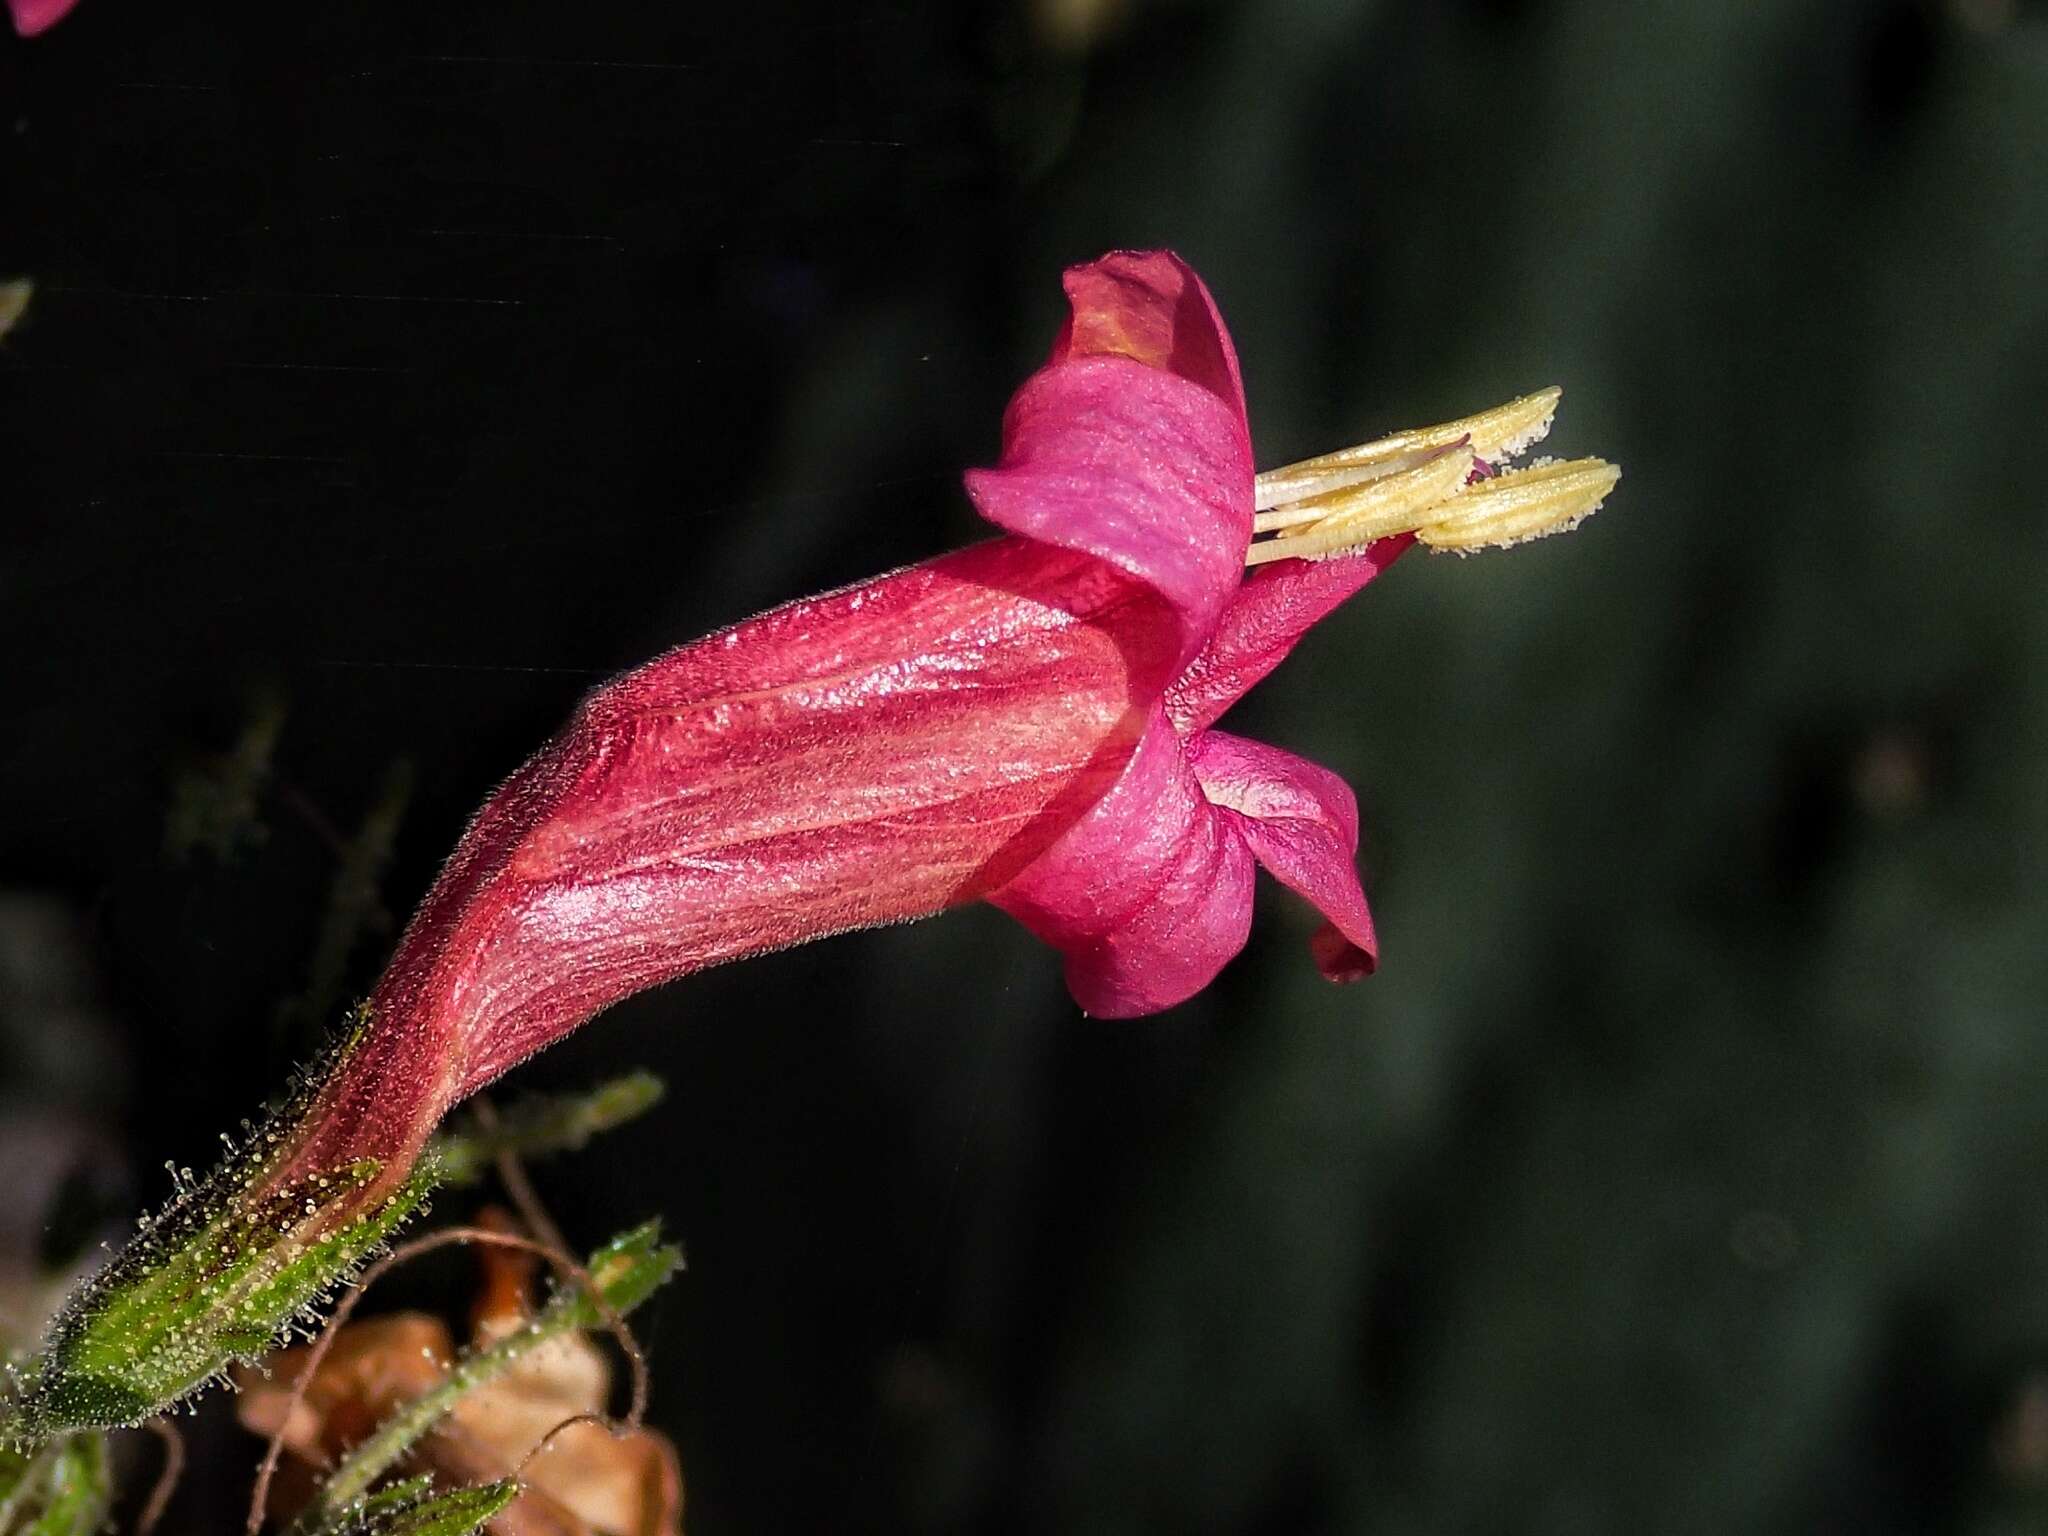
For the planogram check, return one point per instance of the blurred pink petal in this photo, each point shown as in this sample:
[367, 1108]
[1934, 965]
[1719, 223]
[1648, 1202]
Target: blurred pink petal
[33, 16]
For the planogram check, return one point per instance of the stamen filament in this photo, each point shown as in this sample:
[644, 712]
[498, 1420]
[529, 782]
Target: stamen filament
[1362, 487]
[1382, 507]
[1499, 433]
[1279, 488]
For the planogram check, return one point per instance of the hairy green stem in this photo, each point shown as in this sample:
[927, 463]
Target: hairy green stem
[239, 1257]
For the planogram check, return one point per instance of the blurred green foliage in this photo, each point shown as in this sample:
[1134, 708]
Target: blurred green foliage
[59, 1490]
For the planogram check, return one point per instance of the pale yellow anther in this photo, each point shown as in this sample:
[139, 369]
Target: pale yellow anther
[1423, 481]
[1493, 435]
[1523, 504]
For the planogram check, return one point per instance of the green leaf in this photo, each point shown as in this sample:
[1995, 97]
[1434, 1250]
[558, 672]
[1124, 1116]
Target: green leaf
[355, 905]
[411, 1508]
[541, 1124]
[628, 1269]
[217, 804]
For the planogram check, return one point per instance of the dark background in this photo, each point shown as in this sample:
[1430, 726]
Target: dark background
[395, 372]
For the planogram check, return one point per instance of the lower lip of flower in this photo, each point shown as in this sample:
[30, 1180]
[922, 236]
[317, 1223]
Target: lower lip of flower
[1452, 486]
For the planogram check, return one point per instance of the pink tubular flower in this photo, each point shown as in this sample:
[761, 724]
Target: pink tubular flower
[33, 16]
[1027, 721]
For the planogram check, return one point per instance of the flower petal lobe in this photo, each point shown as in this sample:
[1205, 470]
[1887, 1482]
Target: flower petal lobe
[1150, 306]
[1300, 821]
[1130, 444]
[1148, 895]
[1263, 621]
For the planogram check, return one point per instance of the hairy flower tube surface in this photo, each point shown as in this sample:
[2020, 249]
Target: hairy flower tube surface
[1029, 721]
